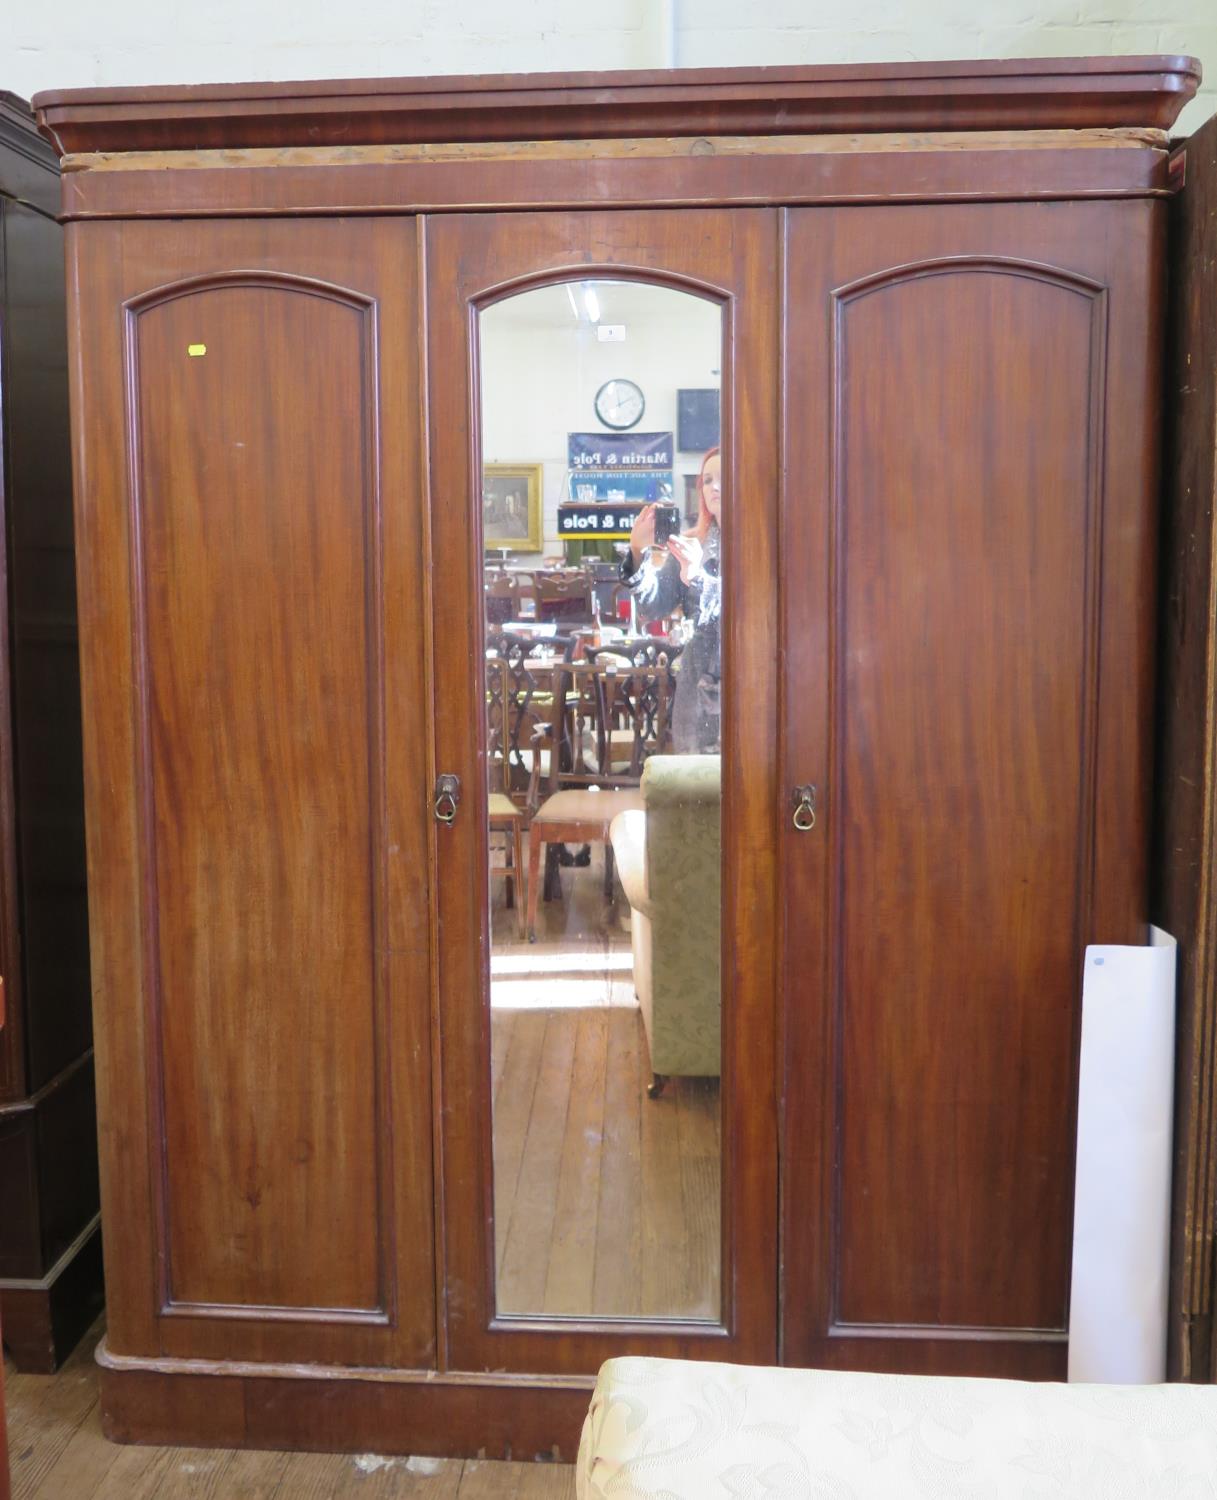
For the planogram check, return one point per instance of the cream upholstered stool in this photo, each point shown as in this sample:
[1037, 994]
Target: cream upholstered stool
[685, 1430]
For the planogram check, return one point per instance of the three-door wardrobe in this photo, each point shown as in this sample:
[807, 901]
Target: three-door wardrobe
[789, 1073]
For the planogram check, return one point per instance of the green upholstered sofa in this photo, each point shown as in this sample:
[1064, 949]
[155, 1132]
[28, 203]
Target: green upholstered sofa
[668, 857]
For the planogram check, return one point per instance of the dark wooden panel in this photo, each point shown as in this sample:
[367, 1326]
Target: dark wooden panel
[66, 1121]
[14, 1061]
[732, 258]
[4, 1468]
[963, 518]
[1184, 890]
[48, 1134]
[259, 1010]
[263, 744]
[1017, 93]
[966, 500]
[20, 1239]
[45, 670]
[48, 1173]
[43, 1323]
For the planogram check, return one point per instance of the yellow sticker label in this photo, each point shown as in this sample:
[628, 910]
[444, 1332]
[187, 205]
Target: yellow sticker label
[196, 349]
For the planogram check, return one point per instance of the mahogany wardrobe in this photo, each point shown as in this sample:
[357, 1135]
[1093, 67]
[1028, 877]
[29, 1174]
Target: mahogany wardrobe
[939, 292]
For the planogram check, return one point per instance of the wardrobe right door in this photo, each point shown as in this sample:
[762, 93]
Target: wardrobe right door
[968, 588]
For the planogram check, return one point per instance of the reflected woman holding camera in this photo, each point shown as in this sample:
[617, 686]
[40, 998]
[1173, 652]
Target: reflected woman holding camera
[667, 573]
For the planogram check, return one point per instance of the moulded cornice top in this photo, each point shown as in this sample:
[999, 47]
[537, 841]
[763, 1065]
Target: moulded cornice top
[29, 170]
[1032, 94]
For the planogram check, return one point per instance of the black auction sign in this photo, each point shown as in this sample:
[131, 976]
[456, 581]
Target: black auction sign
[619, 450]
[592, 522]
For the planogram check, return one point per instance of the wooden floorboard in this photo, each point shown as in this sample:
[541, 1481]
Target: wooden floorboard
[606, 1202]
[43, 1418]
[81, 1465]
[59, 1453]
[530, 1215]
[572, 1249]
[252, 1476]
[618, 1269]
[514, 1095]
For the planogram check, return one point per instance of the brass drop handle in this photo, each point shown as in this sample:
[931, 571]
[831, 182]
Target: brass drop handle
[804, 798]
[447, 798]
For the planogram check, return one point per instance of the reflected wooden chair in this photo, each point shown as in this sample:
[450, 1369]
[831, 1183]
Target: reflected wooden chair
[502, 598]
[632, 713]
[526, 586]
[564, 596]
[505, 816]
[639, 650]
[526, 698]
[635, 688]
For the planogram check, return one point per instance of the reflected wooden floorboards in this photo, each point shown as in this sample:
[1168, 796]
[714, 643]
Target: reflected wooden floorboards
[607, 1202]
[58, 1453]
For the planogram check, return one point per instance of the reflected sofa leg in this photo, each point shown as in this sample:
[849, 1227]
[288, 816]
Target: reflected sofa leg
[659, 1082]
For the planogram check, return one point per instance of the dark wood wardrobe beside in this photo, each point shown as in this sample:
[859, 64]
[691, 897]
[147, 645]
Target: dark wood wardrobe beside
[940, 300]
[50, 1240]
[1184, 895]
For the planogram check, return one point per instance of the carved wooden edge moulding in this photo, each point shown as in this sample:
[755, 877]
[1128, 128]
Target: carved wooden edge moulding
[1051, 93]
[958, 131]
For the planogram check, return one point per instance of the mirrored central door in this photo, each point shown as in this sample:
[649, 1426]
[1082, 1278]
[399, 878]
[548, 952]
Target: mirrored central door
[603, 546]
[603, 468]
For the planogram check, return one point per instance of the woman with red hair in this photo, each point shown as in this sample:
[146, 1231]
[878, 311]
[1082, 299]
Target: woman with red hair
[685, 574]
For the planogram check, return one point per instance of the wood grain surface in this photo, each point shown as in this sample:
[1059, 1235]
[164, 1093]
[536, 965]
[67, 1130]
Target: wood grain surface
[968, 621]
[534, 175]
[263, 780]
[256, 872]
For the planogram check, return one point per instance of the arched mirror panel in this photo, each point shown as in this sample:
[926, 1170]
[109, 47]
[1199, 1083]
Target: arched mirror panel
[604, 521]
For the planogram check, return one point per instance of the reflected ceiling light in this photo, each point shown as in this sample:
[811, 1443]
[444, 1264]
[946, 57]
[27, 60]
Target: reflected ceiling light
[592, 303]
[574, 306]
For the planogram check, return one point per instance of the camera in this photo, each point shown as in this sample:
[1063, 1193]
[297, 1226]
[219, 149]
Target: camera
[667, 523]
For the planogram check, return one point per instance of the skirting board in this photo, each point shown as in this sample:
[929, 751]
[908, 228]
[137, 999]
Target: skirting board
[210, 1405]
[45, 1319]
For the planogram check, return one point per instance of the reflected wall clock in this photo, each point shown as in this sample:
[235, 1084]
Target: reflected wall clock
[620, 404]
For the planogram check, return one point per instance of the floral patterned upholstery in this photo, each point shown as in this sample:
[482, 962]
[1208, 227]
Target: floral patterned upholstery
[668, 857]
[682, 1430]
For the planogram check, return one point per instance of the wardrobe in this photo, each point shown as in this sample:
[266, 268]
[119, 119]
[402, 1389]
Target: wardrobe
[50, 1235]
[941, 290]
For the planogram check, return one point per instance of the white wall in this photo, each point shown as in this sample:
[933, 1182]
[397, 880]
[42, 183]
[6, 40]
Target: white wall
[81, 42]
[540, 375]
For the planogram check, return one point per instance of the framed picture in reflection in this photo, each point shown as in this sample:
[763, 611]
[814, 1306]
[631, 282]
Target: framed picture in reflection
[511, 507]
[692, 498]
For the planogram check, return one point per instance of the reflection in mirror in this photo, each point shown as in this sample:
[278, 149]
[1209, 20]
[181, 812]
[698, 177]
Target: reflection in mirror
[603, 514]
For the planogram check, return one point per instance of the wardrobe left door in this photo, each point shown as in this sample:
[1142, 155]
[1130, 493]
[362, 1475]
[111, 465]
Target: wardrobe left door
[244, 400]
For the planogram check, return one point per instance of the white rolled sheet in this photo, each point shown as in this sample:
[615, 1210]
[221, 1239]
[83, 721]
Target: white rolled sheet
[1121, 1226]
